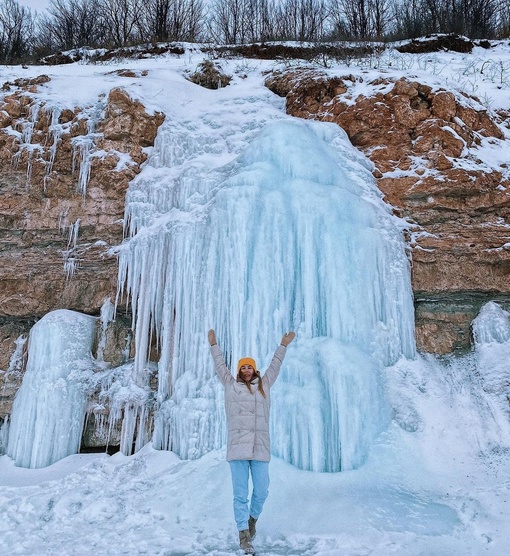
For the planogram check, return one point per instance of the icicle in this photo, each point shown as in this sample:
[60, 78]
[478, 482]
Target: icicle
[62, 221]
[27, 130]
[84, 147]
[16, 360]
[70, 266]
[491, 333]
[73, 234]
[128, 405]
[491, 325]
[55, 133]
[69, 254]
[273, 241]
[107, 315]
[4, 435]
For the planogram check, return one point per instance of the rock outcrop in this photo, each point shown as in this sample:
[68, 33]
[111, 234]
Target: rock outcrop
[64, 174]
[63, 178]
[424, 146]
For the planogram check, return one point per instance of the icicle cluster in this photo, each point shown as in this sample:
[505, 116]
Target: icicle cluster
[293, 235]
[491, 333]
[49, 408]
[84, 146]
[25, 139]
[56, 131]
[70, 253]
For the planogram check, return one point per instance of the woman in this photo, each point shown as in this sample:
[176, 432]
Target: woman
[247, 404]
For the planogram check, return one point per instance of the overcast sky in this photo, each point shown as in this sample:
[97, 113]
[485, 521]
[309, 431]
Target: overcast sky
[38, 5]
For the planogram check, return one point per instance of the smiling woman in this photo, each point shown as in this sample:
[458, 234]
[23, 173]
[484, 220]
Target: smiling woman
[248, 450]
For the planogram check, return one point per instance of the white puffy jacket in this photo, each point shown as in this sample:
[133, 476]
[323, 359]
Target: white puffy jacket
[247, 412]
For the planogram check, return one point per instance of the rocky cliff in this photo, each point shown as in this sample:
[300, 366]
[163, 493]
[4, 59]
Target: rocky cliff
[63, 178]
[424, 144]
[64, 174]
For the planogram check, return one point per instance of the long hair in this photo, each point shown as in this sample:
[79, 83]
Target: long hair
[248, 384]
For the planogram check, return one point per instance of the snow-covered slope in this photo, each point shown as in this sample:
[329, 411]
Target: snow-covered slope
[435, 481]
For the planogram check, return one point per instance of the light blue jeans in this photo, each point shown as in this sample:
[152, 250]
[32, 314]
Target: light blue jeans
[240, 469]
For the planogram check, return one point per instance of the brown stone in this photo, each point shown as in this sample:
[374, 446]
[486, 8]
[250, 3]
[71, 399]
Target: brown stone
[38, 208]
[444, 106]
[461, 217]
[433, 135]
[126, 120]
[11, 370]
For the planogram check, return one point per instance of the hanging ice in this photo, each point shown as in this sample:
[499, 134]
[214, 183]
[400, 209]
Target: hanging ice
[491, 333]
[292, 235]
[491, 325]
[49, 408]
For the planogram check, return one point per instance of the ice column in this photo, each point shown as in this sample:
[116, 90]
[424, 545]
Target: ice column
[492, 325]
[69, 254]
[491, 333]
[49, 408]
[293, 235]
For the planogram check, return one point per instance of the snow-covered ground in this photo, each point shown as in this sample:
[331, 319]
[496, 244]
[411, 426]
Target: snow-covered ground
[437, 480]
[440, 488]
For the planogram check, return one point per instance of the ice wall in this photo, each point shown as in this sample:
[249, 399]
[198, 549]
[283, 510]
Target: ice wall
[49, 409]
[491, 333]
[292, 235]
[492, 325]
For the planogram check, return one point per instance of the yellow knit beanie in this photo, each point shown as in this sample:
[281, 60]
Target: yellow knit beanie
[246, 361]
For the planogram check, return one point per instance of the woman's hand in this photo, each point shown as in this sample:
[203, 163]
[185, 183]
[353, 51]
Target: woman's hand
[287, 338]
[211, 336]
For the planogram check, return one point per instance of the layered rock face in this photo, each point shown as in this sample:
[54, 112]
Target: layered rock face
[424, 146]
[63, 178]
[64, 174]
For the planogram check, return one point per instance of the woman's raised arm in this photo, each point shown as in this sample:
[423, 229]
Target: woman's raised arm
[274, 367]
[219, 363]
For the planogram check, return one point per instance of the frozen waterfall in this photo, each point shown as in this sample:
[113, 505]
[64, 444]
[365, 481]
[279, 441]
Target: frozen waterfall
[49, 408]
[291, 235]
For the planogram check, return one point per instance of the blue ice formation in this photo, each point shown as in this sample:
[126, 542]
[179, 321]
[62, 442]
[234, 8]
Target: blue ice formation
[49, 409]
[292, 235]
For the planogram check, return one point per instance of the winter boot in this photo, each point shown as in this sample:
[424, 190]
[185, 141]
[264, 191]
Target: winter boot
[251, 524]
[245, 541]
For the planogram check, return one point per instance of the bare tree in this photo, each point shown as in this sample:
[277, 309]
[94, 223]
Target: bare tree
[227, 21]
[356, 14]
[172, 20]
[360, 19]
[379, 15]
[122, 20]
[16, 31]
[474, 18]
[408, 20]
[268, 20]
[70, 24]
[186, 20]
[480, 18]
[503, 18]
[302, 20]
[156, 20]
